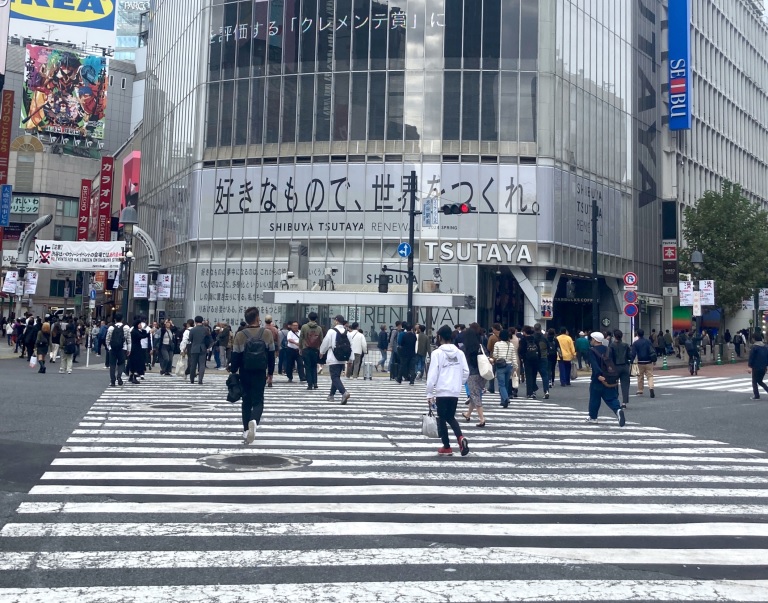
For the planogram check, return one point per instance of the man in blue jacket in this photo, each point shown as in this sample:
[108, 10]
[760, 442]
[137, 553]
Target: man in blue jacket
[758, 363]
[643, 351]
[599, 388]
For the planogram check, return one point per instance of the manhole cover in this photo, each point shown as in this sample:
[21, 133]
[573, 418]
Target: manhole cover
[171, 406]
[253, 462]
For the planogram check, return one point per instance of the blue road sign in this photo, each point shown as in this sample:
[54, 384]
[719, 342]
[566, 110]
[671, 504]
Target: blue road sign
[631, 310]
[93, 293]
[404, 250]
[5, 204]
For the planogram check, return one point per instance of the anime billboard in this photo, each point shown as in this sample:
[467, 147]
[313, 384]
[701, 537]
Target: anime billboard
[131, 177]
[64, 93]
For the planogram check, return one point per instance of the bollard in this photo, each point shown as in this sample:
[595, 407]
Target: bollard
[719, 358]
[664, 365]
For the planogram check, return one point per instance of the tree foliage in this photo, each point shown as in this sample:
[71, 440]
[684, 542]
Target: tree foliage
[732, 233]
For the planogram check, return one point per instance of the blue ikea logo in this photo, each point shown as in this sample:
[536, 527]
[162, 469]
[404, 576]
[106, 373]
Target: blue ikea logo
[96, 14]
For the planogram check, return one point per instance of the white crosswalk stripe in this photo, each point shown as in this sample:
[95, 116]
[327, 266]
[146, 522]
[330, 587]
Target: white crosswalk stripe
[661, 380]
[545, 508]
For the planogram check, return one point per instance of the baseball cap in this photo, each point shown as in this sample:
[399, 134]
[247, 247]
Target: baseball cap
[339, 318]
[597, 336]
[581, 333]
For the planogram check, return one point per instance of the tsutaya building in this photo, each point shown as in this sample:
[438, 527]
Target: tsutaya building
[294, 131]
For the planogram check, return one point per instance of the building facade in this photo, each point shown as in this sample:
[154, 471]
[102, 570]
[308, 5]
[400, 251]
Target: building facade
[294, 132]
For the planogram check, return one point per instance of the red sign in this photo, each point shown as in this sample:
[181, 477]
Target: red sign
[6, 129]
[669, 253]
[630, 278]
[84, 213]
[106, 182]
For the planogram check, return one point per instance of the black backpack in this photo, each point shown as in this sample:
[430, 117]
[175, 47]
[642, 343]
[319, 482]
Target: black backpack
[532, 351]
[70, 342]
[620, 352]
[342, 349]
[255, 352]
[607, 366]
[117, 342]
[551, 347]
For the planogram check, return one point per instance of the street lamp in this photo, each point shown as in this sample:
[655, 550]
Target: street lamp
[129, 218]
[697, 260]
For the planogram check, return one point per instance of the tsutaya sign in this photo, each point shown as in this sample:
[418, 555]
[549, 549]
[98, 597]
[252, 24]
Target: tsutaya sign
[477, 252]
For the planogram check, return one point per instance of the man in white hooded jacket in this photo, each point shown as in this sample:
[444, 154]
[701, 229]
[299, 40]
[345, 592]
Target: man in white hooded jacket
[448, 372]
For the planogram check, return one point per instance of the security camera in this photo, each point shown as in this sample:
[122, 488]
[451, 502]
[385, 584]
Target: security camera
[437, 275]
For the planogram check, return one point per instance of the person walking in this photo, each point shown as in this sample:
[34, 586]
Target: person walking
[382, 344]
[738, 341]
[137, 355]
[567, 355]
[394, 335]
[118, 347]
[338, 350]
[291, 354]
[406, 354]
[643, 352]
[622, 358]
[553, 353]
[582, 349]
[448, 371]
[166, 345]
[42, 345]
[310, 340]
[600, 389]
[53, 349]
[543, 366]
[531, 352]
[758, 363]
[475, 382]
[422, 350]
[30, 336]
[199, 342]
[273, 357]
[359, 350]
[69, 347]
[9, 332]
[251, 349]
[505, 361]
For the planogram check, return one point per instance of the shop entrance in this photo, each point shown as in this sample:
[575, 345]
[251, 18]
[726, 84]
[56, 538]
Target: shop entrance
[500, 298]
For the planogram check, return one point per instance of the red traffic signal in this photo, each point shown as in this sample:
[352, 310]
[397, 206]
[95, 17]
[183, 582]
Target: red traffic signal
[455, 209]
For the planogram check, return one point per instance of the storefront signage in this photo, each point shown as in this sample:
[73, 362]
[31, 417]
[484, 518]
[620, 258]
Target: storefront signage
[84, 210]
[679, 32]
[477, 253]
[6, 192]
[25, 205]
[94, 14]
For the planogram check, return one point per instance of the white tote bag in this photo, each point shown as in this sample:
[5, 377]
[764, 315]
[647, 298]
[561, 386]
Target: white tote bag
[484, 366]
[429, 426]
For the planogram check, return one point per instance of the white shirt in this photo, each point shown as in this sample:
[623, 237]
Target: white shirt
[358, 343]
[293, 340]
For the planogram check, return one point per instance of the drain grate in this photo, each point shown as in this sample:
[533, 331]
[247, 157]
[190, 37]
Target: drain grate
[253, 462]
[171, 406]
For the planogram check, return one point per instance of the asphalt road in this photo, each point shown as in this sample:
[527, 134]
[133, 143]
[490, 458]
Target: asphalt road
[39, 412]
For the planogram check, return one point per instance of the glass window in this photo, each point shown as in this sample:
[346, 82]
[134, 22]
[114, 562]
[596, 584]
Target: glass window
[378, 100]
[275, 51]
[342, 36]
[453, 33]
[508, 106]
[227, 98]
[65, 233]
[308, 27]
[57, 288]
[273, 110]
[529, 35]
[473, 27]
[214, 59]
[244, 39]
[341, 106]
[395, 101]
[359, 111]
[290, 83]
[451, 106]
[415, 104]
[528, 82]
[510, 34]
[490, 106]
[257, 110]
[470, 123]
[241, 112]
[291, 20]
[67, 208]
[306, 108]
[379, 28]
[360, 36]
[259, 41]
[229, 42]
[491, 33]
[325, 27]
[433, 105]
[398, 25]
[323, 107]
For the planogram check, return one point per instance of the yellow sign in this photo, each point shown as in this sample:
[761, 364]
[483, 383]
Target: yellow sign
[97, 14]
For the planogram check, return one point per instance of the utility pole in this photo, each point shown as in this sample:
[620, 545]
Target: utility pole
[595, 276]
[413, 185]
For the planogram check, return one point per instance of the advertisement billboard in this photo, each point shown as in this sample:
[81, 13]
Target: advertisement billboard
[131, 176]
[679, 64]
[64, 93]
[94, 14]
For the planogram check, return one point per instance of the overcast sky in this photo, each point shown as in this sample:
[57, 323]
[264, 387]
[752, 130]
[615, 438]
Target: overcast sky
[64, 33]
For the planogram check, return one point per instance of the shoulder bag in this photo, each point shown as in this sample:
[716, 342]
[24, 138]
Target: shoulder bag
[484, 365]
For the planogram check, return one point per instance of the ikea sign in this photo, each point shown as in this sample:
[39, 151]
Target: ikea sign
[96, 14]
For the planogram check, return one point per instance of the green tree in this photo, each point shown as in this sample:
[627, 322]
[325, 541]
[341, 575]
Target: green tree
[732, 234]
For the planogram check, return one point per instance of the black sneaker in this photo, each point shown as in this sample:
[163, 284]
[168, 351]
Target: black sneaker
[621, 417]
[653, 395]
[463, 446]
[546, 396]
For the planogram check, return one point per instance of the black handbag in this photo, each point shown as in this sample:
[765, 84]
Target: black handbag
[234, 388]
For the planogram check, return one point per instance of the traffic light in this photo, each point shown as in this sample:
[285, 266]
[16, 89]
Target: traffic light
[384, 280]
[456, 209]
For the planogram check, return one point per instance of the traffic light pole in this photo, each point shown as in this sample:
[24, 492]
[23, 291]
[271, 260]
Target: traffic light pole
[411, 241]
[595, 275]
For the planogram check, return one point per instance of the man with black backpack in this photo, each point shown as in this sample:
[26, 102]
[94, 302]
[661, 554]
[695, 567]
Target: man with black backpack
[118, 348]
[339, 350]
[310, 340]
[646, 358]
[250, 352]
[604, 384]
[620, 354]
[531, 352]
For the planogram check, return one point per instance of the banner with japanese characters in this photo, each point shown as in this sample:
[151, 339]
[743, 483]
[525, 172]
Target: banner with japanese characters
[9, 284]
[140, 285]
[707, 289]
[84, 210]
[30, 286]
[686, 293]
[74, 255]
[164, 282]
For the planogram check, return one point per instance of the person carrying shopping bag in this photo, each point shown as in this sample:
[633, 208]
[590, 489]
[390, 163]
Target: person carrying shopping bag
[448, 373]
[506, 362]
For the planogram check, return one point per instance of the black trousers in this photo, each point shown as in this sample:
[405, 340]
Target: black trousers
[757, 379]
[407, 368]
[116, 365]
[531, 370]
[294, 360]
[446, 415]
[624, 370]
[196, 364]
[311, 357]
[253, 398]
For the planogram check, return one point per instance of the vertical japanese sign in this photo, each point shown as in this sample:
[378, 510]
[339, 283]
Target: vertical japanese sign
[140, 283]
[164, 286]
[707, 289]
[6, 128]
[686, 293]
[6, 199]
[104, 215]
[84, 212]
[5, 22]
[679, 64]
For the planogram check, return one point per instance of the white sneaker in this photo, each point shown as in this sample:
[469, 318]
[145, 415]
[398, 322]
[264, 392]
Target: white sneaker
[250, 435]
[245, 438]
[69, 372]
[331, 399]
[589, 420]
[61, 371]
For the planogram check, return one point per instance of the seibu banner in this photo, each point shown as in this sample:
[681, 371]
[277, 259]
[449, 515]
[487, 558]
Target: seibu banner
[72, 255]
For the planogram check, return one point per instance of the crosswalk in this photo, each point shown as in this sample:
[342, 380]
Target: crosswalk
[140, 505]
[730, 384]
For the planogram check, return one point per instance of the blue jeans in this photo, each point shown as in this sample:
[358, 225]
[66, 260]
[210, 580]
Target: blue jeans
[565, 372]
[217, 356]
[335, 371]
[502, 376]
[598, 392]
[419, 363]
[383, 361]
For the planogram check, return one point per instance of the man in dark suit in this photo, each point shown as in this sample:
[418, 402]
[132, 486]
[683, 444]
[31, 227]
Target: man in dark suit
[199, 342]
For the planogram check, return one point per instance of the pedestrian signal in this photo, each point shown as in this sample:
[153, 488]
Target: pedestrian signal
[455, 209]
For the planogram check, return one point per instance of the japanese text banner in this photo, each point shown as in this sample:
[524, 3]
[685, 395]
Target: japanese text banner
[72, 255]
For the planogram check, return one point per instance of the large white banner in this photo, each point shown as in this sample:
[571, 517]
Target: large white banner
[763, 299]
[707, 289]
[164, 286]
[686, 293]
[30, 287]
[78, 255]
[9, 284]
[140, 285]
